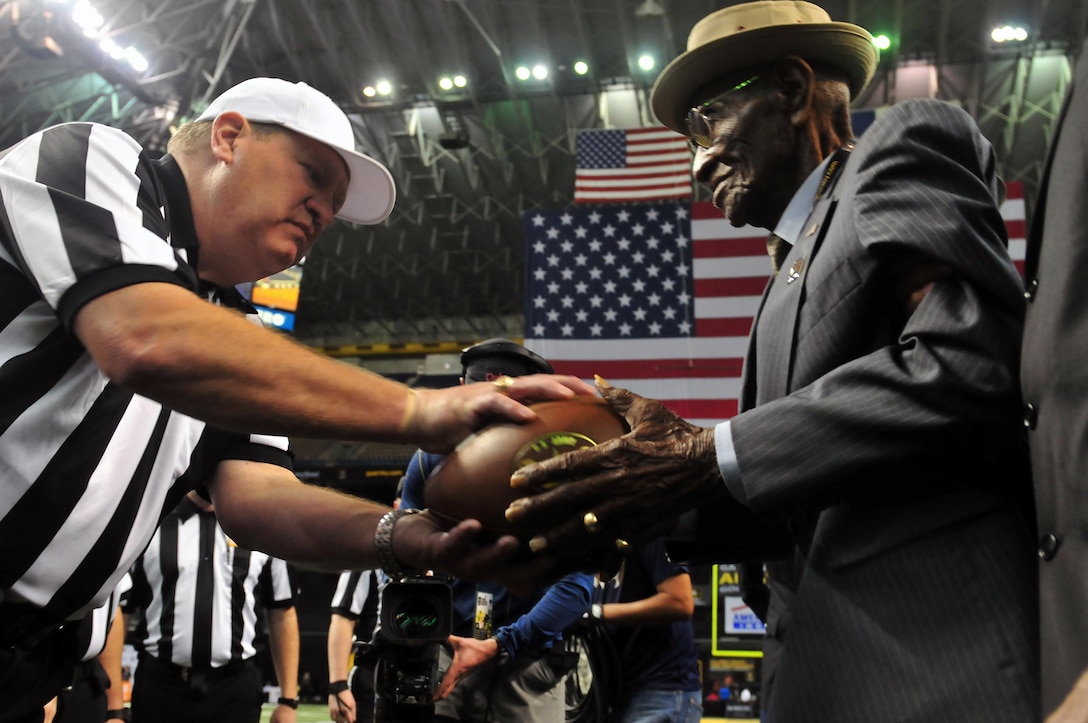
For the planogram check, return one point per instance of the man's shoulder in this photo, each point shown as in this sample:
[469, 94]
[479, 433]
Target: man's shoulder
[917, 112]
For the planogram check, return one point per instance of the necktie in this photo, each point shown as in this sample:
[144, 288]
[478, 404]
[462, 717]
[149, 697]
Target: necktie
[778, 248]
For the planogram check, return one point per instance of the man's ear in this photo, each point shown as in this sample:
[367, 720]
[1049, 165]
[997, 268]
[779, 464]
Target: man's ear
[795, 83]
[226, 129]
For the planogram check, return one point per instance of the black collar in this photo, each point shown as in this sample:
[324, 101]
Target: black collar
[179, 218]
[179, 211]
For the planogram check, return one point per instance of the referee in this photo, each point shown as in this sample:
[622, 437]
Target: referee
[355, 608]
[126, 380]
[199, 593]
[95, 693]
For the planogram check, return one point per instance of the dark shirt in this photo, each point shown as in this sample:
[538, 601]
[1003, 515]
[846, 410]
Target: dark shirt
[654, 657]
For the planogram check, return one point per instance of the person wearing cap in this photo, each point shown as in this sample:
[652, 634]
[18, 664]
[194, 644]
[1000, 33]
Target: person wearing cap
[504, 660]
[128, 376]
[880, 417]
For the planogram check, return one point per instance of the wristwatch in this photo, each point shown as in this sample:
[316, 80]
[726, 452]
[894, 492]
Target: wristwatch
[289, 702]
[383, 544]
[596, 611]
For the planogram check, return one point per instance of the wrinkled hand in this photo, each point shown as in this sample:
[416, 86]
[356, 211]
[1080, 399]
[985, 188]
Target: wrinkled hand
[635, 485]
[342, 707]
[443, 417]
[468, 654]
[425, 542]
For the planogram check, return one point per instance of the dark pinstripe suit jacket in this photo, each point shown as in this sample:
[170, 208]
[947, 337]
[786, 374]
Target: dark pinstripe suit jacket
[891, 444]
[1055, 380]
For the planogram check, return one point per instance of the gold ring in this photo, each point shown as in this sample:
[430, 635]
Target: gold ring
[590, 521]
[503, 383]
[622, 545]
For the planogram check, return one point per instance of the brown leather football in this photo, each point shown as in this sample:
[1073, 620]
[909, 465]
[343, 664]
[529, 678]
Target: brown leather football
[474, 480]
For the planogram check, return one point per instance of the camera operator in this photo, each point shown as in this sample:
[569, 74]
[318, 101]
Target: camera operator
[502, 662]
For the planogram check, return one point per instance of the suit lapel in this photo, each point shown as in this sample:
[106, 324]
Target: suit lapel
[782, 305]
[748, 373]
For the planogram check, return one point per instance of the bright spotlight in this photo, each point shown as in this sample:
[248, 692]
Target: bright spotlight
[445, 83]
[136, 59]
[384, 87]
[646, 62]
[581, 67]
[522, 73]
[370, 91]
[460, 81]
[1009, 33]
[540, 72]
[883, 42]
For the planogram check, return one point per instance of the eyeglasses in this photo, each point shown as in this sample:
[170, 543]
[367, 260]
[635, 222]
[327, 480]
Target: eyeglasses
[699, 123]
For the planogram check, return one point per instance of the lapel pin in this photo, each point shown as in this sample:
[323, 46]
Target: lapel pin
[795, 270]
[813, 229]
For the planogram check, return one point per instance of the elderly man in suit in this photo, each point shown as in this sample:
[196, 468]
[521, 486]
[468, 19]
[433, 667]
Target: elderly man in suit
[1055, 382]
[880, 417]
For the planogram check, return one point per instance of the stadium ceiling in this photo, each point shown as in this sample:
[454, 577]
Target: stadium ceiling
[471, 159]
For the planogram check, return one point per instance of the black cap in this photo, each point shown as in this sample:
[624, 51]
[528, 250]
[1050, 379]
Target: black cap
[495, 357]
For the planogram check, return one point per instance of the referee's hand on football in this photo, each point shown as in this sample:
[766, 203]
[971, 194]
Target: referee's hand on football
[424, 542]
[592, 503]
[437, 419]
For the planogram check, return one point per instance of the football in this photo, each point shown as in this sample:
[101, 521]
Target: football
[474, 480]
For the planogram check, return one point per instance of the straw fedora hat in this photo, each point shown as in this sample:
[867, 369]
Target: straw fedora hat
[756, 33]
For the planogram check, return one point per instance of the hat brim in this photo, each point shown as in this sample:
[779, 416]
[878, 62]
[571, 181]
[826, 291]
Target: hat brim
[841, 45]
[371, 191]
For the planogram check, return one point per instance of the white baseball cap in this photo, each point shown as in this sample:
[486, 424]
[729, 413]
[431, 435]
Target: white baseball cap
[310, 112]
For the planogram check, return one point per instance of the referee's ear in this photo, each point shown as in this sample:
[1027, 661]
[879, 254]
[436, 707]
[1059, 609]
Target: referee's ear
[227, 129]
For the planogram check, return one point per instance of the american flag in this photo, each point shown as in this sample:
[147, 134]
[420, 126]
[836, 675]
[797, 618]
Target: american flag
[658, 298]
[641, 164]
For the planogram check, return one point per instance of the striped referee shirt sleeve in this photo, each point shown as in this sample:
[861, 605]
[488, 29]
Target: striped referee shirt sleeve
[353, 589]
[277, 584]
[82, 209]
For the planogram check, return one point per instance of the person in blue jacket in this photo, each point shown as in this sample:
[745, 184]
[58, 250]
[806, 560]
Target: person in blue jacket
[502, 662]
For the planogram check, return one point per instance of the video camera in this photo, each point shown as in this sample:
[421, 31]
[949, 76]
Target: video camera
[416, 618]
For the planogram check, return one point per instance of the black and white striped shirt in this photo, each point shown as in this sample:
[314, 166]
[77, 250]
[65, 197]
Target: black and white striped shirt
[95, 627]
[199, 591]
[88, 469]
[358, 598]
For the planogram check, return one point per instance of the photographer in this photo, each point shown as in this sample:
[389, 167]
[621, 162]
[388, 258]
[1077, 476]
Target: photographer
[502, 662]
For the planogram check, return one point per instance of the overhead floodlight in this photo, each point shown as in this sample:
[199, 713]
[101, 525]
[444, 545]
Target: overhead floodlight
[646, 62]
[1009, 34]
[523, 73]
[581, 67]
[370, 91]
[460, 81]
[86, 17]
[445, 83]
[136, 59]
[384, 87]
[540, 72]
[883, 42]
